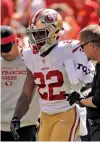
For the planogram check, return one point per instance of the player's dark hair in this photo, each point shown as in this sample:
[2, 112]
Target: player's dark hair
[5, 32]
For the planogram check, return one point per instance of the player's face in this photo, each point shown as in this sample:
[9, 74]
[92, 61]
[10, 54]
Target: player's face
[39, 37]
[9, 56]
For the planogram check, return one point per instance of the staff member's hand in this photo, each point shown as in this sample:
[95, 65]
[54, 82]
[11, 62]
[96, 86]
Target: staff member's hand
[15, 124]
[75, 97]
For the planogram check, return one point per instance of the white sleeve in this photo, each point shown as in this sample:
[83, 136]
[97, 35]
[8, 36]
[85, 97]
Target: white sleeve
[70, 69]
[79, 70]
[27, 59]
[85, 72]
[88, 77]
[84, 68]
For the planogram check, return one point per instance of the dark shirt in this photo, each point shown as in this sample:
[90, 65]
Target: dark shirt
[94, 113]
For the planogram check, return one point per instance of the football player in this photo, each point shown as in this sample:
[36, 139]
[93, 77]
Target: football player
[56, 68]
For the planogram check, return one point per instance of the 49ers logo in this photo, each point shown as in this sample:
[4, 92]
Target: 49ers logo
[51, 18]
[8, 83]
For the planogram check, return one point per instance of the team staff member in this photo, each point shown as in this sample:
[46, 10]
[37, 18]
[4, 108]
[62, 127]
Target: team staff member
[51, 66]
[12, 79]
[90, 43]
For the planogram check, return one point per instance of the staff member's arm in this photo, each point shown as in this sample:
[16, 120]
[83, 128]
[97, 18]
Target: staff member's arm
[25, 99]
[23, 103]
[92, 101]
[76, 97]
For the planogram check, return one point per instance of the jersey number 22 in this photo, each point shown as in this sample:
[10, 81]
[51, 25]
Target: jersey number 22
[51, 86]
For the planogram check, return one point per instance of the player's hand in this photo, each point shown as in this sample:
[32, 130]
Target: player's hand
[15, 124]
[75, 97]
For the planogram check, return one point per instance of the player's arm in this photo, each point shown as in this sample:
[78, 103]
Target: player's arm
[25, 98]
[86, 87]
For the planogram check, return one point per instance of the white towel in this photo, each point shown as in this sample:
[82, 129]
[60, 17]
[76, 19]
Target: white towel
[82, 114]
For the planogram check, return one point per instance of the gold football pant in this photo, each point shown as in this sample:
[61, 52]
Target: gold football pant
[59, 127]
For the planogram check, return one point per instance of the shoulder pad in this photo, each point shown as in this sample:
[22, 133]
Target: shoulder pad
[65, 43]
[66, 47]
[26, 53]
[75, 45]
[27, 57]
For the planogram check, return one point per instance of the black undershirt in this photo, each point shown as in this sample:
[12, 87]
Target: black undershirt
[48, 51]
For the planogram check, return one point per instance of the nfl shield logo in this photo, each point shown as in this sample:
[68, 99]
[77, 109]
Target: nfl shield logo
[43, 61]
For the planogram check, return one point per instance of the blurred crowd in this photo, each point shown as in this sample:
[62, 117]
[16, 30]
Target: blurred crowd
[76, 15]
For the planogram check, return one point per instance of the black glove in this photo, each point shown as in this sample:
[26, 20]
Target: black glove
[15, 124]
[75, 97]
